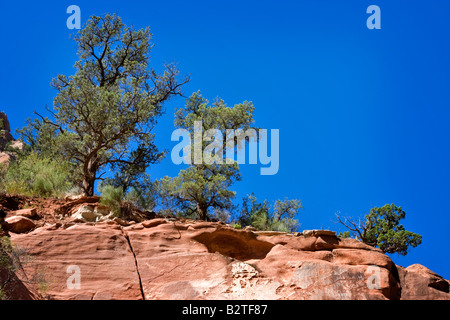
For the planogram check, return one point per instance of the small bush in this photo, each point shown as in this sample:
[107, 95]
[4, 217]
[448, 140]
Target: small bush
[74, 191]
[143, 197]
[222, 215]
[345, 234]
[112, 197]
[13, 260]
[34, 175]
[237, 226]
[122, 205]
[260, 216]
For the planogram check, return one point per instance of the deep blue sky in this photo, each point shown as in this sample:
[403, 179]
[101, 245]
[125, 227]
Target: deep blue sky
[363, 114]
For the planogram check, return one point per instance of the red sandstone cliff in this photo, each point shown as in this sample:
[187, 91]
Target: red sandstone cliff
[167, 259]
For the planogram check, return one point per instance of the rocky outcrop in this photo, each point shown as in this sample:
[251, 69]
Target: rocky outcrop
[5, 131]
[101, 254]
[30, 213]
[91, 213]
[419, 282]
[6, 139]
[19, 224]
[162, 259]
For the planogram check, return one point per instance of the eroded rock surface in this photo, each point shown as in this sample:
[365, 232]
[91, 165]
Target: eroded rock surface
[162, 259]
[6, 139]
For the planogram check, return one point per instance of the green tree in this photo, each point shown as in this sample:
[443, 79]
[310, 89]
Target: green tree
[103, 115]
[136, 187]
[254, 213]
[260, 215]
[284, 212]
[381, 228]
[203, 186]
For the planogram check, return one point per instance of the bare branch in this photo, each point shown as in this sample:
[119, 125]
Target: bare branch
[351, 225]
[45, 120]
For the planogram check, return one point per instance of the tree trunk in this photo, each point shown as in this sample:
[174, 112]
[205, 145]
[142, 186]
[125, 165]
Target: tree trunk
[202, 211]
[90, 171]
[88, 186]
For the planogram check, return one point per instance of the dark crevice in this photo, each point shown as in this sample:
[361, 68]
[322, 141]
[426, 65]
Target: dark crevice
[135, 262]
[440, 284]
[235, 244]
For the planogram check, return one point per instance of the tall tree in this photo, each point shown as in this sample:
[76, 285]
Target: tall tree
[103, 115]
[206, 185]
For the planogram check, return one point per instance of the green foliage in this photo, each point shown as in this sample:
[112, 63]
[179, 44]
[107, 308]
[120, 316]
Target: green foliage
[284, 212]
[5, 250]
[381, 228]
[223, 215]
[104, 114]
[253, 213]
[35, 175]
[112, 197]
[203, 186]
[259, 215]
[345, 234]
[216, 116]
[138, 189]
[12, 258]
[143, 198]
[168, 203]
[237, 226]
[197, 188]
[122, 205]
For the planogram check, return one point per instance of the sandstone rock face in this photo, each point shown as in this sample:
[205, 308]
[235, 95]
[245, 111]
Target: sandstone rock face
[162, 259]
[5, 130]
[83, 261]
[5, 138]
[421, 283]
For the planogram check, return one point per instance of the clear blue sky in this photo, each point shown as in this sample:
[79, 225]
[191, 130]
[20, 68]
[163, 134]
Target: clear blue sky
[363, 114]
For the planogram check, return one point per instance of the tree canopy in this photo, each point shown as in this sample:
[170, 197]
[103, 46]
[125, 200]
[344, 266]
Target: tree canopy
[381, 228]
[202, 186]
[104, 114]
[260, 215]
